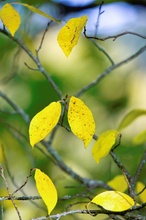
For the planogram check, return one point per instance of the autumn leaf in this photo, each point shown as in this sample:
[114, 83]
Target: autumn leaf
[10, 18]
[69, 34]
[43, 122]
[46, 190]
[113, 201]
[81, 120]
[140, 187]
[130, 117]
[37, 11]
[118, 183]
[104, 144]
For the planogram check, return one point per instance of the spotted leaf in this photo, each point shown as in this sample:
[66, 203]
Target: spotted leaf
[43, 122]
[113, 201]
[81, 120]
[69, 34]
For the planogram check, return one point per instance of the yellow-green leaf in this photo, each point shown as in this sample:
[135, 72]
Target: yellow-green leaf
[10, 18]
[139, 187]
[140, 138]
[69, 34]
[43, 122]
[130, 117]
[118, 183]
[104, 144]
[81, 120]
[113, 201]
[46, 190]
[37, 11]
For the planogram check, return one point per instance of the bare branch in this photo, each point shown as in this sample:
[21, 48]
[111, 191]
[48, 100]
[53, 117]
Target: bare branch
[36, 61]
[85, 181]
[20, 198]
[91, 212]
[134, 179]
[43, 37]
[100, 12]
[140, 167]
[103, 51]
[34, 69]
[15, 107]
[10, 196]
[109, 70]
[30, 174]
[114, 37]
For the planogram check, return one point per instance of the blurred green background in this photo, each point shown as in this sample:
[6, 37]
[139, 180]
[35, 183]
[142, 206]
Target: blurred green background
[121, 91]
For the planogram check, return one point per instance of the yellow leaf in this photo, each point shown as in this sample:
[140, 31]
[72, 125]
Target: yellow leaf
[46, 190]
[10, 18]
[104, 144]
[113, 201]
[118, 183]
[139, 187]
[69, 34]
[81, 120]
[37, 11]
[43, 122]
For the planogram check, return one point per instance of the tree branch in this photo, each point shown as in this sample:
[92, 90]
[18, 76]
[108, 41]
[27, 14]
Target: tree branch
[15, 107]
[109, 70]
[90, 183]
[9, 194]
[91, 212]
[103, 51]
[36, 61]
[114, 37]
[134, 179]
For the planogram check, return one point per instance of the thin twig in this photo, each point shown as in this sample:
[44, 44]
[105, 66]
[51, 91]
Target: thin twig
[124, 172]
[15, 184]
[43, 37]
[7, 167]
[15, 107]
[31, 68]
[139, 169]
[10, 196]
[133, 180]
[109, 70]
[20, 198]
[36, 61]
[65, 198]
[90, 212]
[30, 174]
[103, 51]
[100, 12]
[114, 37]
